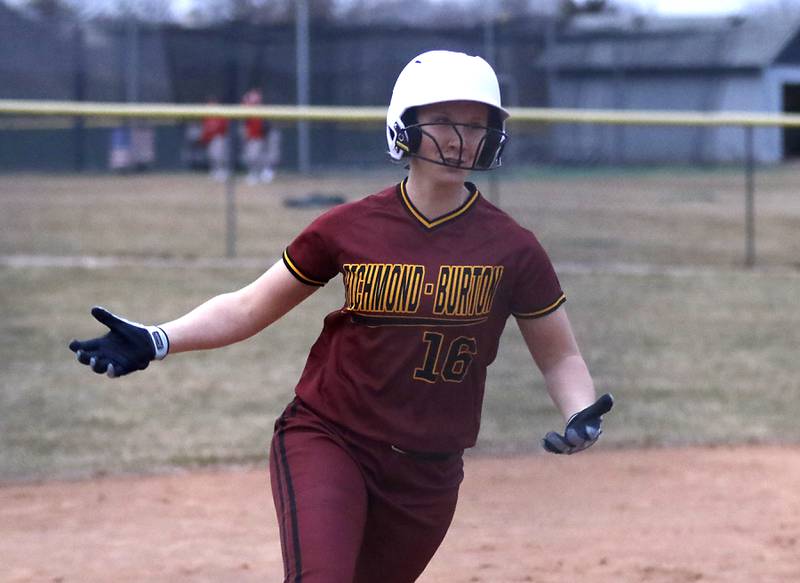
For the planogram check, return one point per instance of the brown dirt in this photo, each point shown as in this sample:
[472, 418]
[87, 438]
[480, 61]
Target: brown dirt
[656, 516]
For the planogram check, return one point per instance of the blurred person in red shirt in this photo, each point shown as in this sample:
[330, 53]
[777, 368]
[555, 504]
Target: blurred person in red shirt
[260, 151]
[214, 138]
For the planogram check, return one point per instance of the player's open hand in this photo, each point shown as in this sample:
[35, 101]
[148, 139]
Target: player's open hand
[582, 430]
[127, 347]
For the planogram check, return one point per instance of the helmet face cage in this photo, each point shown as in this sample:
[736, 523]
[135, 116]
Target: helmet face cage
[487, 154]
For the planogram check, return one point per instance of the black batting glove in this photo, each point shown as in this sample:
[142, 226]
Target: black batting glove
[128, 346]
[582, 430]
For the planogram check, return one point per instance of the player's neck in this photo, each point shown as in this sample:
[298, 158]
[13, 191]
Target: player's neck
[435, 195]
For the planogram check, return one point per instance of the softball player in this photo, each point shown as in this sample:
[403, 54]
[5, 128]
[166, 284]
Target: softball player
[366, 461]
[214, 138]
[259, 153]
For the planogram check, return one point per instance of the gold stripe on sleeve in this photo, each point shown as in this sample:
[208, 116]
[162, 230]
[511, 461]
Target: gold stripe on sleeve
[544, 311]
[293, 269]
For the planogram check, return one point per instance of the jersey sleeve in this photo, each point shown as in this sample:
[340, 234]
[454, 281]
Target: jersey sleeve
[311, 257]
[537, 291]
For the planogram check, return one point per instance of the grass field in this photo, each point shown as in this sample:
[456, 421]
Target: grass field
[696, 349]
[667, 216]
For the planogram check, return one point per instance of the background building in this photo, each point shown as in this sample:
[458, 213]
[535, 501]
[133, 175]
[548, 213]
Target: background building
[731, 64]
[599, 60]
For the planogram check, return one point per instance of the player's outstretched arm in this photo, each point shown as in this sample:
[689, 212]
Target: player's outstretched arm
[222, 320]
[552, 344]
[235, 316]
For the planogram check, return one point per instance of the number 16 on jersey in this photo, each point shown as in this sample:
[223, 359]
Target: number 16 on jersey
[452, 366]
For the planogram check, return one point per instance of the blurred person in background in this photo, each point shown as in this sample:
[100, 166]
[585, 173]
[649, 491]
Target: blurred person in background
[214, 138]
[260, 150]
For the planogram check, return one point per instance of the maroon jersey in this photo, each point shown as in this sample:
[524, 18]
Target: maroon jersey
[404, 360]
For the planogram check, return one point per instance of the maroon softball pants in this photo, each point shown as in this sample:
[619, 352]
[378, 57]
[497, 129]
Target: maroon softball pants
[353, 510]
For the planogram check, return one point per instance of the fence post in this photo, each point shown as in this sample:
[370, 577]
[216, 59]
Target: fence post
[230, 209]
[233, 88]
[750, 219]
[79, 94]
[303, 69]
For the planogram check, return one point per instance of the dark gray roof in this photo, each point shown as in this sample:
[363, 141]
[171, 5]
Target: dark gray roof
[9, 15]
[732, 43]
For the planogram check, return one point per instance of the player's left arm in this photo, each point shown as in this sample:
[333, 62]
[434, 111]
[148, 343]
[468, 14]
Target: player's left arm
[552, 345]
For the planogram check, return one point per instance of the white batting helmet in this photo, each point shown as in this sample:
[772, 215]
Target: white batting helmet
[437, 76]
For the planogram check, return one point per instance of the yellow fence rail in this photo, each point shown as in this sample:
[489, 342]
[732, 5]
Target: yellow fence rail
[19, 107]
[31, 114]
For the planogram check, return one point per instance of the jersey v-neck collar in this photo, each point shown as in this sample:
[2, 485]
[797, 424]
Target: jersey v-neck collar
[445, 218]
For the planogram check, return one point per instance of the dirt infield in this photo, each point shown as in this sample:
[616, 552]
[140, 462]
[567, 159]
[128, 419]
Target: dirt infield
[656, 516]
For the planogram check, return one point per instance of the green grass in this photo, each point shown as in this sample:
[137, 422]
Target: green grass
[654, 216]
[701, 355]
[59, 417]
[692, 359]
